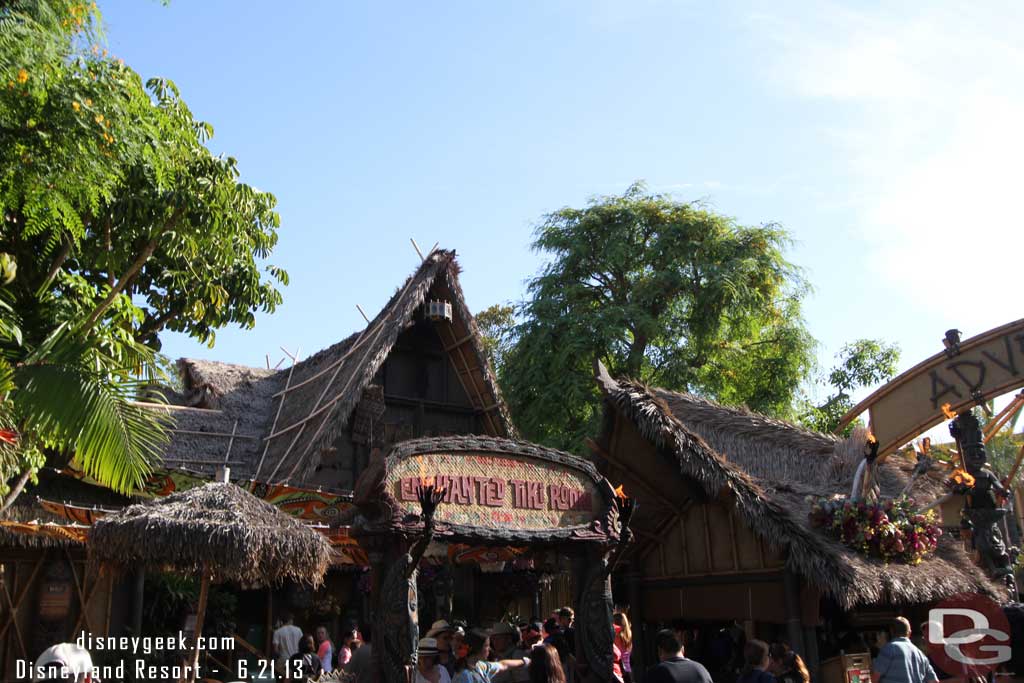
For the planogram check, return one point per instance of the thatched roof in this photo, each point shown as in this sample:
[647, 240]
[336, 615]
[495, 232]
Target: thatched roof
[280, 439]
[29, 527]
[768, 468]
[238, 536]
[52, 485]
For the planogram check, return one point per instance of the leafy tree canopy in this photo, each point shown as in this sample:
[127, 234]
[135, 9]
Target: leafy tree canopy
[862, 363]
[668, 292]
[118, 223]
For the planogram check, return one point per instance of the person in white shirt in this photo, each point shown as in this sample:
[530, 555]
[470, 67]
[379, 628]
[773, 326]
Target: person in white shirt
[286, 639]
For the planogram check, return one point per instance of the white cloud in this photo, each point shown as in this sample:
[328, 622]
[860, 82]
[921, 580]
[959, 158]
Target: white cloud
[932, 134]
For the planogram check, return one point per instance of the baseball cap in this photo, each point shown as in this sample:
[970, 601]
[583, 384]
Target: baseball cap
[63, 661]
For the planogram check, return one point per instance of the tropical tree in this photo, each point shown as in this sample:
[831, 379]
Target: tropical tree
[663, 291]
[861, 363]
[118, 223]
[496, 324]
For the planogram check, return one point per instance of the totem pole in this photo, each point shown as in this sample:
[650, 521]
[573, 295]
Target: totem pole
[396, 628]
[595, 636]
[982, 510]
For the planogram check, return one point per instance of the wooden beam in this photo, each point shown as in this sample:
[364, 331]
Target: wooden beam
[735, 544]
[716, 579]
[707, 536]
[226, 435]
[458, 342]
[685, 545]
[21, 594]
[644, 551]
[83, 600]
[637, 480]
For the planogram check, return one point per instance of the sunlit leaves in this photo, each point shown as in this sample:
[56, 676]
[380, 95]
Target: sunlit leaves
[663, 291]
[121, 224]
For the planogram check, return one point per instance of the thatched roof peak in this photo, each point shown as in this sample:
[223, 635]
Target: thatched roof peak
[237, 536]
[284, 419]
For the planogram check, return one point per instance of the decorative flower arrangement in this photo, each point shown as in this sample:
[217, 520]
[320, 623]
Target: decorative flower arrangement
[891, 530]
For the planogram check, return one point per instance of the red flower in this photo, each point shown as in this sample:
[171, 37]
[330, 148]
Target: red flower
[9, 436]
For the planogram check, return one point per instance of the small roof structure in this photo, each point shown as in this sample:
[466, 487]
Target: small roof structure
[769, 467]
[219, 528]
[273, 425]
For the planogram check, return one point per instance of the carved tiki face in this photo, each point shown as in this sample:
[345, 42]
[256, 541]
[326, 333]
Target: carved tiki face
[966, 429]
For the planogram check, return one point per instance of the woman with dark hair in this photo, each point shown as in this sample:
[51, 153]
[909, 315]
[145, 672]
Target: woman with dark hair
[475, 668]
[546, 665]
[565, 656]
[311, 665]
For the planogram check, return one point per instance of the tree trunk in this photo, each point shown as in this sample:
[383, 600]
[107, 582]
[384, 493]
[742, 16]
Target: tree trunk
[635, 360]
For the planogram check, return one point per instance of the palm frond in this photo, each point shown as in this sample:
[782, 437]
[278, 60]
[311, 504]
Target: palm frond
[90, 415]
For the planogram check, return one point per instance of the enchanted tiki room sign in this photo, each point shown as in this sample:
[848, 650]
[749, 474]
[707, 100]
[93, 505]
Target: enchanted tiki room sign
[496, 487]
[965, 374]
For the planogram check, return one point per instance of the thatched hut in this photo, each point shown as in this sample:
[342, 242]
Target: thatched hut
[733, 487]
[218, 528]
[219, 532]
[418, 369]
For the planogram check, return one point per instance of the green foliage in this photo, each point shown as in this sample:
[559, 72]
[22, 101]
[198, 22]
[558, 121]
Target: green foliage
[1004, 446]
[862, 363]
[117, 223]
[169, 598]
[496, 325]
[666, 292]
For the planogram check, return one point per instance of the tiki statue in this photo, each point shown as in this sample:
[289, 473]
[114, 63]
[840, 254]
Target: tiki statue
[982, 509]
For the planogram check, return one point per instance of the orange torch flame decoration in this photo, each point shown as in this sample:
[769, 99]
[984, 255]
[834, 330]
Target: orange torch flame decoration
[620, 492]
[948, 412]
[962, 477]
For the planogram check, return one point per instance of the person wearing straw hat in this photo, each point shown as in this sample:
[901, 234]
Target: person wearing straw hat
[427, 668]
[442, 631]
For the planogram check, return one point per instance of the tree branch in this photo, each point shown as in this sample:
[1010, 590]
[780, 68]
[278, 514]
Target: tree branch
[132, 271]
[58, 261]
[16, 489]
[154, 325]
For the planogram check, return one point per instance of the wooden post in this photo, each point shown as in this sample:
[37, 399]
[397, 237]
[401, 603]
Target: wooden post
[268, 637]
[791, 595]
[138, 600]
[637, 659]
[204, 590]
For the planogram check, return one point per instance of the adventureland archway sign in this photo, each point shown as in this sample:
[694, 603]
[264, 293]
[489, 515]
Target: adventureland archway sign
[486, 491]
[967, 373]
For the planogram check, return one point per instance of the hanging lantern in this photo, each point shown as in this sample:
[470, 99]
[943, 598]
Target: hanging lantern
[439, 310]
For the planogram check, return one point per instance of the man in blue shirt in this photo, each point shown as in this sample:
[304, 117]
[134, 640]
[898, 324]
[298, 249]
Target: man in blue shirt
[900, 661]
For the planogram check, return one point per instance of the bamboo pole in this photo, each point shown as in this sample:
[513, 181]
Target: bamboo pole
[204, 590]
[1016, 467]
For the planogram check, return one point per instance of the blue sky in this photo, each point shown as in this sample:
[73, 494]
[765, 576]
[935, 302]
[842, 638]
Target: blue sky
[885, 137]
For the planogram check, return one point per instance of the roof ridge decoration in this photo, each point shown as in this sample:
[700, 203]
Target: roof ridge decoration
[848, 578]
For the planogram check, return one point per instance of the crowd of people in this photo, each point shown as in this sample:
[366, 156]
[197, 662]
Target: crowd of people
[538, 651]
[315, 653]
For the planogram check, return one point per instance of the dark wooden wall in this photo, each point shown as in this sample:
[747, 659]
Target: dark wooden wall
[423, 397]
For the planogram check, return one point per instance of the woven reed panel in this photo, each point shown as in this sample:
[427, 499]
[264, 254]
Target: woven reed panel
[498, 491]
